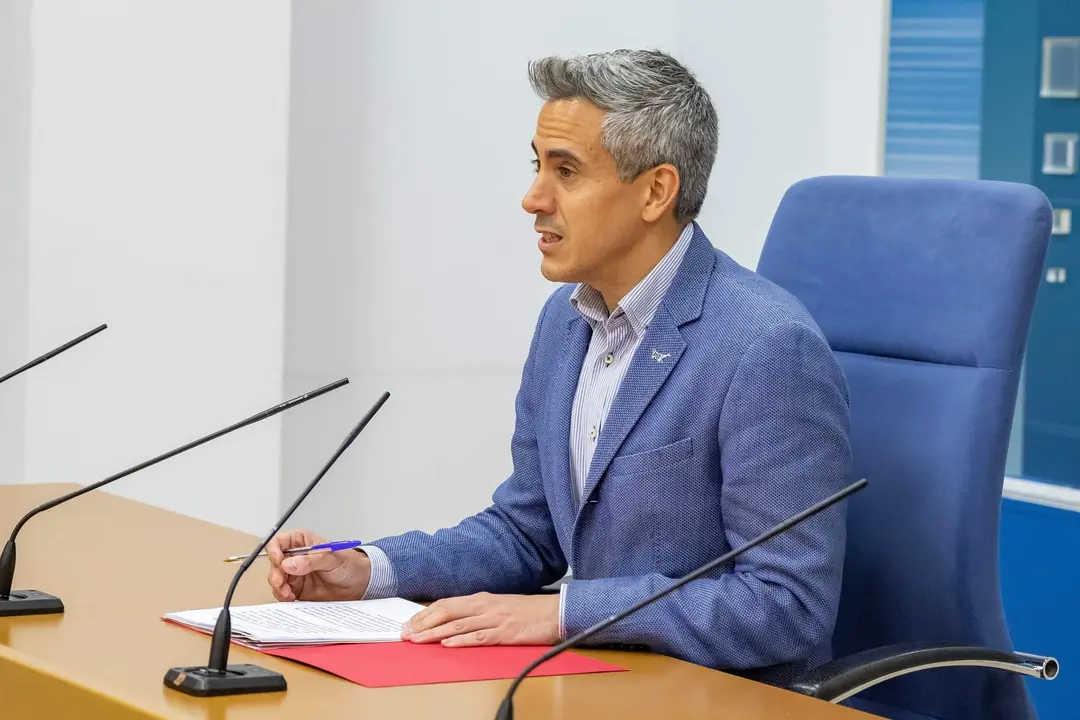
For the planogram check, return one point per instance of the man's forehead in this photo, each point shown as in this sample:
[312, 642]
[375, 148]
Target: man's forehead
[570, 124]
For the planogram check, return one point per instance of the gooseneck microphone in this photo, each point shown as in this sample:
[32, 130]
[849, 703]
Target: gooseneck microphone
[506, 708]
[217, 677]
[35, 602]
[52, 353]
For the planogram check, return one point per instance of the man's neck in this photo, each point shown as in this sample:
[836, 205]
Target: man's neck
[633, 268]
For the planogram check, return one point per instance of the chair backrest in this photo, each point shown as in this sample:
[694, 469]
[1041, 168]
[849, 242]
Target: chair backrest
[925, 290]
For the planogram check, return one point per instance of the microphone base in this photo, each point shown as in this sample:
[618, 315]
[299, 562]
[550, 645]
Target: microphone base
[201, 681]
[30, 602]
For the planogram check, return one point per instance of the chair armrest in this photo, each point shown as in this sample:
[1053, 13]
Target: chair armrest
[840, 679]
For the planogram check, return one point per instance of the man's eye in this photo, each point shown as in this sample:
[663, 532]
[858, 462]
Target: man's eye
[566, 173]
[535, 165]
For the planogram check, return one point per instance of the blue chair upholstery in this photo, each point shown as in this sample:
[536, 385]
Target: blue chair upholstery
[925, 290]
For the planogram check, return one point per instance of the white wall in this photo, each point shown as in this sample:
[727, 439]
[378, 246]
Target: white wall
[856, 80]
[158, 183]
[799, 88]
[411, 266]
[14, 245]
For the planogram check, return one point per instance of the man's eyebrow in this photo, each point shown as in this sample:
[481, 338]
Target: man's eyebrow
[558, 154]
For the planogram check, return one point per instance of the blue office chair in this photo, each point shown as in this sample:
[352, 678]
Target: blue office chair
[925, 290]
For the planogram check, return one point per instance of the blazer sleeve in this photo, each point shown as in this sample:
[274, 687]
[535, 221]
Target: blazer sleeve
[510, 547]
[784, 445]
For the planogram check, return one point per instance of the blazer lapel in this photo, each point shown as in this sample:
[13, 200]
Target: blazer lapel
[655, 358]
[578, 334]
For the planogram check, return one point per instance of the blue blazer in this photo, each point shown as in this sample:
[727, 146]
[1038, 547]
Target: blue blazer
[744, 424]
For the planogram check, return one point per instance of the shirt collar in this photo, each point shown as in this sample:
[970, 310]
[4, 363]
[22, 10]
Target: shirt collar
[640, 304]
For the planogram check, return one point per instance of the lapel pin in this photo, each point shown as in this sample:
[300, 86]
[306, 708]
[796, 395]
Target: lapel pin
[659, 356]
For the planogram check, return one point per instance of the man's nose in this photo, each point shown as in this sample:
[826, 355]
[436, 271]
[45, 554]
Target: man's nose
[538, 200]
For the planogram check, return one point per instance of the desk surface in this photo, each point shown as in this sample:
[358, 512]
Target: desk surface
[112, 643]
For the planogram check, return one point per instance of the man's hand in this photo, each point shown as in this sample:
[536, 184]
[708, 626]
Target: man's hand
[323, 576]
[486, 619]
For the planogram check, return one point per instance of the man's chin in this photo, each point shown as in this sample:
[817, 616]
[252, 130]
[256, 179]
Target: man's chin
[556, 272]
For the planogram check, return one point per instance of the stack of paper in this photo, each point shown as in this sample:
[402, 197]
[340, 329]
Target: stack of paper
[282, 625]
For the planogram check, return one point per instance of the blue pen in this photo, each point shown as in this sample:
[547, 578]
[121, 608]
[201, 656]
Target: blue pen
[324, 547]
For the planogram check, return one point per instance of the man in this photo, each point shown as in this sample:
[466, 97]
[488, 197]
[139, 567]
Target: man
[673, 405]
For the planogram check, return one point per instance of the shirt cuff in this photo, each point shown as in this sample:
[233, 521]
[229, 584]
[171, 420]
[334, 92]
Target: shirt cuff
[562, 608]
[383, 582]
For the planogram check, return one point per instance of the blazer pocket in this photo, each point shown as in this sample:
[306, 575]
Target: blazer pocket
[652, 459]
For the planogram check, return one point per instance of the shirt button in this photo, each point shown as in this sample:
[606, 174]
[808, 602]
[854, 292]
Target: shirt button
[608, 359]
[592, 433]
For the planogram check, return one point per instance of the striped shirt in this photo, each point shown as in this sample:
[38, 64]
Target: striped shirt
[615, 338]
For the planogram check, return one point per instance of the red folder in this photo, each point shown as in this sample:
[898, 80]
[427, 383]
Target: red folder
[391, 664]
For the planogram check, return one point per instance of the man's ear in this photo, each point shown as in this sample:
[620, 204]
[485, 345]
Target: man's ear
[662, 190]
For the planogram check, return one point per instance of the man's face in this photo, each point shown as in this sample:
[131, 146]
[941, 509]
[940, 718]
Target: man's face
[586, 216]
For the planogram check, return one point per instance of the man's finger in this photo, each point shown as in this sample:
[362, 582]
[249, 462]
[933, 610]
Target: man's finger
[489, 636]
[283, 593]
[315, 562]
[438, 613]
[295, 586]
[431, 616]
[452, 628]
[283, 587]
[448, 609]
[273, 551]
[421, 617]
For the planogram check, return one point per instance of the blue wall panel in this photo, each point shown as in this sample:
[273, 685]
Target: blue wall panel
[1040, 582]
[934, 88]
[1052, 407]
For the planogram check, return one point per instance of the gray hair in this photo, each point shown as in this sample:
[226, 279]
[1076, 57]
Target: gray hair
[656, 112]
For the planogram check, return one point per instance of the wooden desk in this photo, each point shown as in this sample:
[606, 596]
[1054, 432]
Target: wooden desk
[119, 565]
